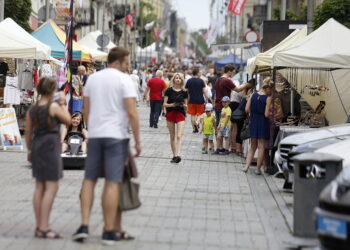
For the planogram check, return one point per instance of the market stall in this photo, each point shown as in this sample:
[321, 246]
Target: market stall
[318, 68]
[21, 54]
[90, 39]
[230, 59]
[263, 61]
[52, 35]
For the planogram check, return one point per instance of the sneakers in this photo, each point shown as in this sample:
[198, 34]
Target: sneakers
[204, 151]
[109, 238]
[155, 126]
[81, 234]
[225, 152]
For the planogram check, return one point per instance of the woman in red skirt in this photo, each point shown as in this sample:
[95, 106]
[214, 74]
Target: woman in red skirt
[175, 102]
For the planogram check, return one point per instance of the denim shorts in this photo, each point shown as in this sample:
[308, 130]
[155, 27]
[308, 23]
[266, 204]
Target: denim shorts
[209, 137]
[106, 157]
[225, 133]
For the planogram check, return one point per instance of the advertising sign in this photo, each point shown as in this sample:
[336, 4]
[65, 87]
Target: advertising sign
[62, 9]
[9, 131]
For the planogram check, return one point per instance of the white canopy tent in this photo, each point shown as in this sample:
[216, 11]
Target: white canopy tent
[42, 50]
[15, 42]
[327, 47]
[148, 52]
[89, 41]
[324, 55]
[96, 54]
[265, 58]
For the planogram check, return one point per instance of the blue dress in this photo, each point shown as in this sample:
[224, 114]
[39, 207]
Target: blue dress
[259, 124]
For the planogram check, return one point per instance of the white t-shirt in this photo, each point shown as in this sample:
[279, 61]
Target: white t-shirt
[107, 90]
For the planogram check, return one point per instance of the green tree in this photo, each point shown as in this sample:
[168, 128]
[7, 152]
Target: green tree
[337, 9]
[19, 11]
[201, 45]
[146, 15]
[291, 15]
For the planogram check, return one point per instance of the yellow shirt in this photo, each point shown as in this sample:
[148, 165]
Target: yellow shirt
[225, 112]
[208, 124]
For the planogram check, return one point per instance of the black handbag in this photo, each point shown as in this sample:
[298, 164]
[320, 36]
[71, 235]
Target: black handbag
[129, 191]
[238, 115]
[245, 133]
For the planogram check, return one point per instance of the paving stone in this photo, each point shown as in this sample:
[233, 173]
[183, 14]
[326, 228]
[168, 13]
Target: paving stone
[205, 202]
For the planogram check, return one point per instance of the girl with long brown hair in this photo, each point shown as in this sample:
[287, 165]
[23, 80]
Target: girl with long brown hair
[44, 149]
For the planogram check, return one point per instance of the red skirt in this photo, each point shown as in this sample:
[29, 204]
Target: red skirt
[175, 116]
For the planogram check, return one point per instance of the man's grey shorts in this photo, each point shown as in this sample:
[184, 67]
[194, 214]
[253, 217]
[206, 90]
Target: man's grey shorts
[106, 157]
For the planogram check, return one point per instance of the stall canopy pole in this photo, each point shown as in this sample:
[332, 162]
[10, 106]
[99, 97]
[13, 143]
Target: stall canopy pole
[341, 100]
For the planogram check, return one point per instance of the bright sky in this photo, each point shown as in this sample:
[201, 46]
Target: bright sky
[196, 12]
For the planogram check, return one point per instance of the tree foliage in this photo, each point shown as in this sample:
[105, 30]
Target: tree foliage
[337, 9]
[201, 43]
[19, 11]
[291, 15]
[146, 15]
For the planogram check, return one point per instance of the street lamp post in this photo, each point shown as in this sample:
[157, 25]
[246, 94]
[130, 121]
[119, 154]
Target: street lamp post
[47, 10]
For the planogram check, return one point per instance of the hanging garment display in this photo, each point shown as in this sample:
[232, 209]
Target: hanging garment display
[12, 95]
[46, 70]
[25, 74]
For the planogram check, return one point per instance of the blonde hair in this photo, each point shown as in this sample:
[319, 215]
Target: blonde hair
[181, 77]
[267, 83]
[204, 79]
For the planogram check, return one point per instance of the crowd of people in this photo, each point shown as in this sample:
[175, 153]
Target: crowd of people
[224, 113]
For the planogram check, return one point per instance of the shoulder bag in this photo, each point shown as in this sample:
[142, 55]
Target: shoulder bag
[129, 191]
[245, 133]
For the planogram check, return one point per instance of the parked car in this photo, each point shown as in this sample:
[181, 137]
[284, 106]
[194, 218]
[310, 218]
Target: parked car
[289, 143]
[332, 216]
[306, 148]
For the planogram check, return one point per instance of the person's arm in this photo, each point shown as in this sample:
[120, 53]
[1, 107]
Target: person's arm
[247, 107]
[268, 106]
[227, 120]
[86, 134]
[186, 104]
[205, 93]
[86, 110]
[130, 106]
[215, 128]
[240, 88]
[166, 104]
[145, 95]
[28, 136]
[60, 110]
[201, 122]
[63, 134]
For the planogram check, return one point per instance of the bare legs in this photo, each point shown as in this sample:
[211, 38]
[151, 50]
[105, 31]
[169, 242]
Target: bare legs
[86, 200]
[110, 202]
[256, 144]
[176, 136]
[205, 144]
[194, 122]
[44, 196]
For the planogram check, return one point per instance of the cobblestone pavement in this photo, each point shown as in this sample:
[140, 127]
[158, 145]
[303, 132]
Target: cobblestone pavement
[205, 202]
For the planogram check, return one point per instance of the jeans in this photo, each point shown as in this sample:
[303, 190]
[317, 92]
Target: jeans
[156, 109]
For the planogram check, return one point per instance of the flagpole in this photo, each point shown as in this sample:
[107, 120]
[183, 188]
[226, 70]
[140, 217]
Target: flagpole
[71, 56]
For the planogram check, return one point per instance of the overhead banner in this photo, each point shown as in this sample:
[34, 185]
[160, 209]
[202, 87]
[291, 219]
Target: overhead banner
[236, 6]
[9, 131]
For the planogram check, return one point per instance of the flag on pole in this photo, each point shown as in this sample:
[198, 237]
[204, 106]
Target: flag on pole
[149, 25]
[80, 3]
[163, 34]
[129, 19]
[213, 32]
[205, 36]
[68, 56]
[236, 6]
[157, 34]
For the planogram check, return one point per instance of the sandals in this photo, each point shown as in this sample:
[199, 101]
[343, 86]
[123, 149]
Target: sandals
[239, 154]
[124, 236]
[48, 234]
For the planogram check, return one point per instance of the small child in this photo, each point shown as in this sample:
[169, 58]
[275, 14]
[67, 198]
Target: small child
[208, 127]
[224, 128]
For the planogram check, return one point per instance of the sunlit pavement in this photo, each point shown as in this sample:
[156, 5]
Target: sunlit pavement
[205, 202]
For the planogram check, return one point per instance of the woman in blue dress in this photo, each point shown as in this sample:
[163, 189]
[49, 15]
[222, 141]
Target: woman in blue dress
[259, 124]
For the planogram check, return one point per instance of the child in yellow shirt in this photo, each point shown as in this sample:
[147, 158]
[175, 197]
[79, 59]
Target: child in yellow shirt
[224, 128]
[208, 128]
